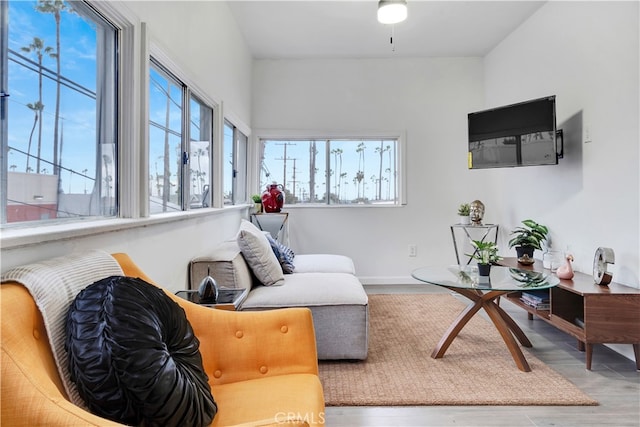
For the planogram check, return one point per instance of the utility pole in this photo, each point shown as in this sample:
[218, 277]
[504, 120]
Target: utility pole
[284, 158]
[294, 178]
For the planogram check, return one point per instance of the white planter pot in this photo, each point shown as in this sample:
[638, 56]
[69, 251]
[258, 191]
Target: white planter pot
[464, 220]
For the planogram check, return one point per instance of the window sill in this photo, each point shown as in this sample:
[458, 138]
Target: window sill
[13, 238]
[343, 206]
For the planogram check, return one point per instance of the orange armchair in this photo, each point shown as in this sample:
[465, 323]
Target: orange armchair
[262, 366]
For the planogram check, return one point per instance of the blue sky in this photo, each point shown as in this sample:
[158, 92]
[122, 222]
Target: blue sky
[78, 63]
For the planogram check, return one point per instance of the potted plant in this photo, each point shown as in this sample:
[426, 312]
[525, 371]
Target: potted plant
[528, 238]
[486, 253]
[257, 203]
[464, 211]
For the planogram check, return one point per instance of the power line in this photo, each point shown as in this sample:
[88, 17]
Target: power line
[52, 164]
[49, 74]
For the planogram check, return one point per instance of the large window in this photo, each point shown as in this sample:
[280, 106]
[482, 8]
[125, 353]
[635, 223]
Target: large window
[332, 171]
[235, 165]
[180, 136]
[58, 111]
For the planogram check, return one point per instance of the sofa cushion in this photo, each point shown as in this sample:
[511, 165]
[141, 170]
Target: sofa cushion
[308, 290]
[283, 253]
[134, 357]
[258, 253]
[324, 263]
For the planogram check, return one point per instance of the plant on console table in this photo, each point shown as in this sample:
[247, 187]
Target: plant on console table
[257, 203]
[486, 253]
[527, 238]
[464, 210]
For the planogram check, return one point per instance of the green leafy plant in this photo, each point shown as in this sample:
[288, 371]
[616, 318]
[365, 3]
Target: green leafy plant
[528, 278]
[531, 234]
[464, 209]
[485, 252]
[256, 198]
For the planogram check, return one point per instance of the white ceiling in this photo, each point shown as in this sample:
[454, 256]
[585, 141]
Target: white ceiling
[349, 29]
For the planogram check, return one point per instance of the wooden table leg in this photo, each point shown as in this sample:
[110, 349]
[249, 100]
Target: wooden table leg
[513, 326]
[505, 325]
[502, 327]
[455, 328]
[589, 352]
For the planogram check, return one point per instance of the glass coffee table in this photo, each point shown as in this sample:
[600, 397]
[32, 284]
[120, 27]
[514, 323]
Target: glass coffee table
[483, 293]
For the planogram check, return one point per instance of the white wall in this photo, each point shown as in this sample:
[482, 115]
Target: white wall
[429, 100]
[587, 54]
[584, 52]
[203, 39]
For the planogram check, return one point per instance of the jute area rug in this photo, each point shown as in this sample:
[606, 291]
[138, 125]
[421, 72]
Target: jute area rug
[476, 370]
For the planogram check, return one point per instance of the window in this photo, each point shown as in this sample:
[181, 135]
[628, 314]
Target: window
[58, 112]
[332, 171]
[235, 165]
[200, 135]
[180, 136]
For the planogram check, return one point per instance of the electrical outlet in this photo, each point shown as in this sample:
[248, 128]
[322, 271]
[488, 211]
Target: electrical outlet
[413, 250]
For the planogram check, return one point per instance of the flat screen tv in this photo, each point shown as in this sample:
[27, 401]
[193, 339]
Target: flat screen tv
[522, 134]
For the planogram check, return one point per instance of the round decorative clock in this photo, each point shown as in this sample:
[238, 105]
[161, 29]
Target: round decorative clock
[602, 257]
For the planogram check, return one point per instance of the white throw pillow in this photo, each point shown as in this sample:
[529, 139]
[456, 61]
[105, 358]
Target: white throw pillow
[257, 252]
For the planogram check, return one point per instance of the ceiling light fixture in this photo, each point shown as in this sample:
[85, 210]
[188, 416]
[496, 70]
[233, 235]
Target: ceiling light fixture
[392, 11]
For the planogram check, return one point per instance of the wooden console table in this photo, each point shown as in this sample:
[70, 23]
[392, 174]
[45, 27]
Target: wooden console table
[591, 313]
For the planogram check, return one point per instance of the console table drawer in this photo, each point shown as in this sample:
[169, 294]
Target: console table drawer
[612, 318]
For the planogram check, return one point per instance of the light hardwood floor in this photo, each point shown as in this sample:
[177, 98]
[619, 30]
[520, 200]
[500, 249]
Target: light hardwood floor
[613, 381]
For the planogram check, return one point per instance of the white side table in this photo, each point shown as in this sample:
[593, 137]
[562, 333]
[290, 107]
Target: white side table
[463, 235]
[277, 224]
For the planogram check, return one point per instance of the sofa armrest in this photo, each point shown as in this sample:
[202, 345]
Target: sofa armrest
[238, 346]
[31, 390]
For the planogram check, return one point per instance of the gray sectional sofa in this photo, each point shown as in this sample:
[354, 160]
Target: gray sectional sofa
[324, 283]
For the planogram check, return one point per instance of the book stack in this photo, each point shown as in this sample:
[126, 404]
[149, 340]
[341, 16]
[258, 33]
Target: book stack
[538, 299]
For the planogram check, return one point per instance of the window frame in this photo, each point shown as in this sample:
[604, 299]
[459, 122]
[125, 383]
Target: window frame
[189, 90]
[109, 27]
[271, 134]
[240, 157]
[181, 173]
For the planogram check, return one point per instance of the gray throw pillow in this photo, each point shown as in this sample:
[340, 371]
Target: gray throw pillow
[259, 256]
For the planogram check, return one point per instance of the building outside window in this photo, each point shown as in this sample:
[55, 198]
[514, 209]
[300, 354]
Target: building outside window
[332, 171]
[58, 112]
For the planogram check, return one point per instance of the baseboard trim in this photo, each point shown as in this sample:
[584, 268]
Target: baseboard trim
[390, 280]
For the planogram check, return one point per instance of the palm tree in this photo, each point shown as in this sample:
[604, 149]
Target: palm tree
[55, 7]
[199, 153]
[381, 150]
[337, 158]
[360, 173]
[38, 47]
[36, 108]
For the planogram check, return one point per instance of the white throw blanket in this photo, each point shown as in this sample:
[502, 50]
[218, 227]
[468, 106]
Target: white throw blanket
[54, 284]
